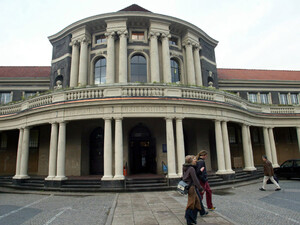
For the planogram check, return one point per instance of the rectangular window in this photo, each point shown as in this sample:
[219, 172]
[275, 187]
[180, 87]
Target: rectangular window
[3, 141]
[173, 41]
[283, 99]
[138, 35]
[5, 98]
[100, 39]
[232, 135]
[294, 99]
[264, 98]
[29, 94]
[34, 139]
[253, 97]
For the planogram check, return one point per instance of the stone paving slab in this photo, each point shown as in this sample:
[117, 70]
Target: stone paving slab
[156, 208]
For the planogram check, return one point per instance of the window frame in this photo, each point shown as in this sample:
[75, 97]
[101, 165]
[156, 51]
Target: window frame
[145, 40]
[286, 98]
[250, 99]
[7, 99]
[130, 66]
[94, 72]
[178, 68]
[95, 39]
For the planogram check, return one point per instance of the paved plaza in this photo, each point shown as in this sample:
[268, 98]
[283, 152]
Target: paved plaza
[235, 205]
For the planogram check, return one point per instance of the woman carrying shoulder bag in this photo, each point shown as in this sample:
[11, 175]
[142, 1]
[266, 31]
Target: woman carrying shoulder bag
[194, 204]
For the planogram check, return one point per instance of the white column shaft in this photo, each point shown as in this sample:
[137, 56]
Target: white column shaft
[246, 149]
[83, 63]
[154, 59]
[198, 71]
[74, 65]
[107, 150]
[118, 150]
[273, 148]
[267, 143]
[53, 151]
[170, 148]
[220, 148]
[19, 153]
[25, 153]
[166, 60]
[227, 154]
[180, 146]
[61, 152]
[110, 59]
[123, 59]
[190, 64]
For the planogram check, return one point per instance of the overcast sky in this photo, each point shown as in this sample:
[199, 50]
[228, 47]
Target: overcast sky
[252, 34]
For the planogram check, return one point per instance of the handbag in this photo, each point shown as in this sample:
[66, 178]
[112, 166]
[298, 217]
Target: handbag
[275, 178]
[183, 187]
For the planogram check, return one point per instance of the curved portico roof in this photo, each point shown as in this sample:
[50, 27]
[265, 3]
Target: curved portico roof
[98, 22]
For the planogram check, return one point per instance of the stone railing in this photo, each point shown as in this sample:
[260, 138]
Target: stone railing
[137, 90]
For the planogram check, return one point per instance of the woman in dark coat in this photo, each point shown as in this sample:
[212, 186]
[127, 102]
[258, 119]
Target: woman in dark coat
[194, 204]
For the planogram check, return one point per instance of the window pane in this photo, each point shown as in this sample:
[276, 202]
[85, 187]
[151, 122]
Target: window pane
[264, 98]
[294, 99]
[137, 35]
[100, 39]
[253, 97]
[173, 41]
[34, 139]
[283, 99]
[175, 72]
[3, 138]
[138, 69]
[5, 98]
[100, 71]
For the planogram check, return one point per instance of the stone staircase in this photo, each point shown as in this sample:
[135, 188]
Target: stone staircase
[146, 184]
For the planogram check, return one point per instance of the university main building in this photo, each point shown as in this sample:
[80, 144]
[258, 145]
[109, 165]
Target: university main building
[131, 93]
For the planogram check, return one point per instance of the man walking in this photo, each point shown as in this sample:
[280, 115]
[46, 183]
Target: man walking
[268, 174]
[202, 176]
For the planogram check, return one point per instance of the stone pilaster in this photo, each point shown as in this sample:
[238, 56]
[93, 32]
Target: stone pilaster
[166, 58]
[118, 150]
[250, 149]
[267, 143]
[273, 148]
[53, 152]
[19, 154]
[197, 61]
[110, 59]
[227, 154]
[154, 58]
[220, 148]
[74, 64]
[107, 150]
[170, 148]
[25, 154]
[246, 150]
[180, 146]
[190, 63]
[83, 62]
[61, 153]
[123, 56]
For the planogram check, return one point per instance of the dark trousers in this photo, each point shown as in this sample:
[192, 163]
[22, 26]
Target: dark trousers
[191, 216]
[202, 211]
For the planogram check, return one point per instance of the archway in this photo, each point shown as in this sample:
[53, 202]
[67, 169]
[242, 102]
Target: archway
[96, 151]
[142, 153]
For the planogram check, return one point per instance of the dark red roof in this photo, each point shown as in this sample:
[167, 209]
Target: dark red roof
[25, 71]
[134, 7]
[247, 74]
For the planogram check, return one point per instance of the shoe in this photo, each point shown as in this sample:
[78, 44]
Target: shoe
[262, 189]
[277, 189]
[212, 208]
[205, 214]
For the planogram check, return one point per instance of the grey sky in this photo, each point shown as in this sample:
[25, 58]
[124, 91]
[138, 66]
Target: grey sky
[256, 34]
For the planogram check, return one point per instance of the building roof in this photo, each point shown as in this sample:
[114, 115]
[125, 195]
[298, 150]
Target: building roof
[134, 7]
[269, 75]
[25, 71]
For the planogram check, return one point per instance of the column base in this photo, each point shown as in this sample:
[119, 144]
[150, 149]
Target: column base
[220, 172]
[276, 166]
[173, 175]
[119, 177]
[107, 178]
[21, 177]
[59, 178]
[50, 178]
[249, 169]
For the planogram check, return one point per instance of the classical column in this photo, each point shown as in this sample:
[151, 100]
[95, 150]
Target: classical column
[220, 148]
[298, 136]
[123, 57]
[19, 154]
[170, 148]
[154, 58]
[180, 146]
[25, 154]
[166, 58]
[250, 149]
[267, 143]
[118, 150]
[53, 152]
[190, 64]
[246, 149]
[110, 59]
[197, 61]
[61, 152]
[74, 64]
[83, 63]
[226, 148]
[107, 150]
[273, 148]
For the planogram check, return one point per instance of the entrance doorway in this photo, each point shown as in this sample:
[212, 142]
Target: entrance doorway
[96, 151]
[142, 153]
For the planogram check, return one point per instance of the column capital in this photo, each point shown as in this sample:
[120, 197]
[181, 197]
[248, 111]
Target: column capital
[153, 35]
[107, 118]
[165, 35]
[122, 33]
[197, 46]
[74, 43]
[169, 118]
[179, 117]
[110, 34]
[118, 117]
[85, 40]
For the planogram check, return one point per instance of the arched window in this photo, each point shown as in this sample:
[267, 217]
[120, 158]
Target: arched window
[100, 71]
[175, 71]
[138, 69]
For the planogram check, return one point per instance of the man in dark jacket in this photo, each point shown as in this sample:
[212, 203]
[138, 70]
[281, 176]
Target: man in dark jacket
[268, 174]
[202, 176]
